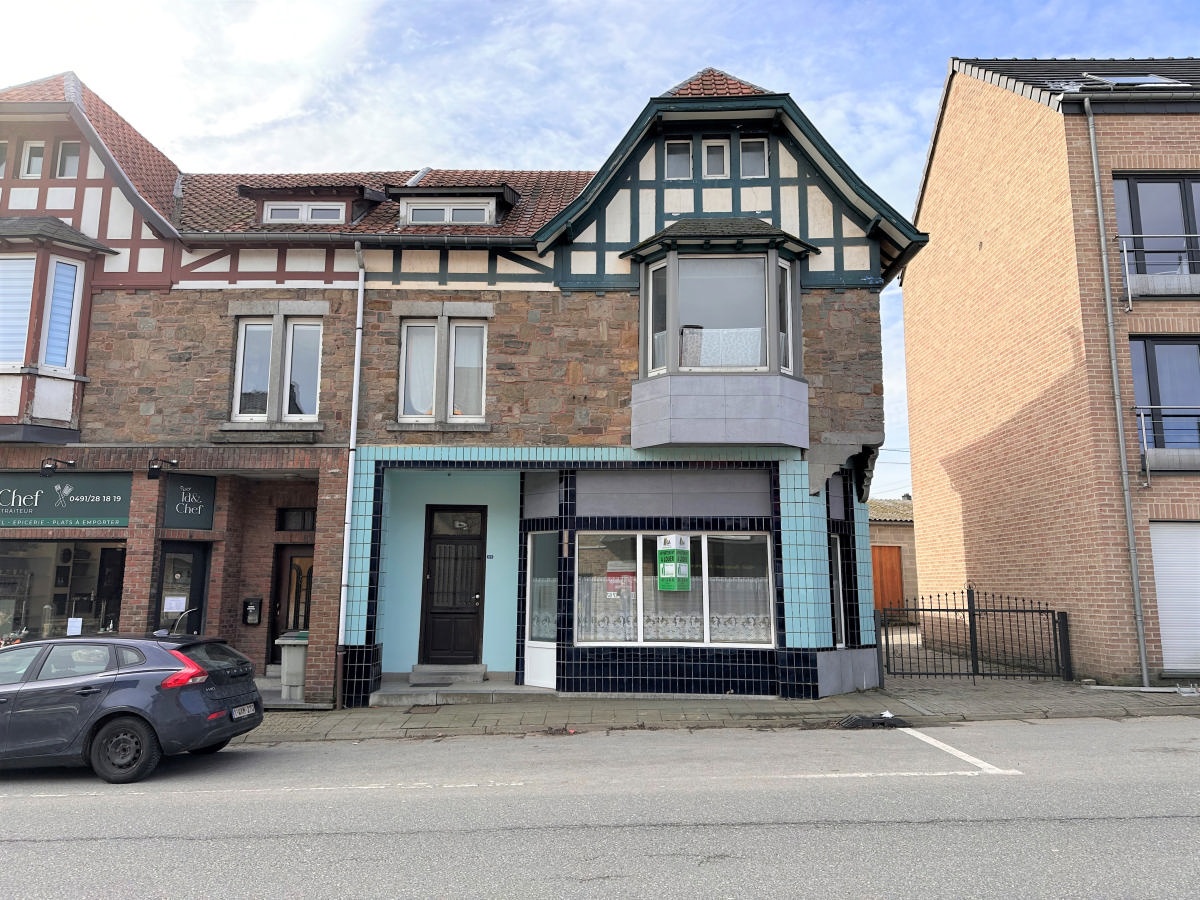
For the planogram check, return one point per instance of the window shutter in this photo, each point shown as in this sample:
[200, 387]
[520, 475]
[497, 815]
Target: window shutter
[62, 314]
[16, 292]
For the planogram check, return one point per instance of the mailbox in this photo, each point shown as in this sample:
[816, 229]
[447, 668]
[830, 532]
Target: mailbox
[252, 611]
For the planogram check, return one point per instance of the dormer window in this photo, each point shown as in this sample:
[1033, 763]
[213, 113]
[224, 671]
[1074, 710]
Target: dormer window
[304, 213]
[451, 214]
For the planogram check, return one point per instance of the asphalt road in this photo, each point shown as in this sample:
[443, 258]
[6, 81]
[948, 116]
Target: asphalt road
[1051, 808]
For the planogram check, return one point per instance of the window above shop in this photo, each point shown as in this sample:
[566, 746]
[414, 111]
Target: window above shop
[278, 375]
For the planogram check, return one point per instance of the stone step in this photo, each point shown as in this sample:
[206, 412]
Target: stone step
[440, 676]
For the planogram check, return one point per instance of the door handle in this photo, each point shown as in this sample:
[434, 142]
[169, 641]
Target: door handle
[87, 691]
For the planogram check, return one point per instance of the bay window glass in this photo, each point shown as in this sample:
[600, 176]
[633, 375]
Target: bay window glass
[722, 312]
[783, 295]
[543, 586]
[658, 317]
[727, 601]
[60, 314]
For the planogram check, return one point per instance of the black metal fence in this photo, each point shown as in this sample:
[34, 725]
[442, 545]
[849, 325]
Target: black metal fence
[975, 634]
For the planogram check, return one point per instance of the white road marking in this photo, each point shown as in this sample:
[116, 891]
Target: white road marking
[986, 768]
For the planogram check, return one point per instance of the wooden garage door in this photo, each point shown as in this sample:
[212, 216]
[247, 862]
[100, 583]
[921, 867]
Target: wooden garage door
[1176, 547]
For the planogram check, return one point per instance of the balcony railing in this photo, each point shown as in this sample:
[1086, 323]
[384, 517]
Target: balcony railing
[1169, 437]
[1160, 265]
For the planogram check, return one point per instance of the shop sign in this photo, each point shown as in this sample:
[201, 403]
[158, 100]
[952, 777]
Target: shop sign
[65, 500]
[188, 501]
[674, 562]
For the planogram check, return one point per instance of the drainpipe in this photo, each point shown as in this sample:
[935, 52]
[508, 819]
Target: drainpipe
[350, 462]
[1138, 616]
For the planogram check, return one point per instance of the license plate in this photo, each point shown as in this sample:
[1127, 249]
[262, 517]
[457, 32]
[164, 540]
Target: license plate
[240, 712]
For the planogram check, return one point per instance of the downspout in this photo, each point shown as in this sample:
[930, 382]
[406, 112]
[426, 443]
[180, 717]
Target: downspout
[1130, 535]
[350, 463]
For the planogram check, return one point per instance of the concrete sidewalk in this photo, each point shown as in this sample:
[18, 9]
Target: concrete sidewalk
[916, 702]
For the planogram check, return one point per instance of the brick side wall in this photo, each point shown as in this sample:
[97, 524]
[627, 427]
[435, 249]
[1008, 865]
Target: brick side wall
[1016, 473]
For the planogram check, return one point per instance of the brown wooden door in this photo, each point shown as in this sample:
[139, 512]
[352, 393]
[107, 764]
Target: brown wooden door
[452, 600]
[888, 577]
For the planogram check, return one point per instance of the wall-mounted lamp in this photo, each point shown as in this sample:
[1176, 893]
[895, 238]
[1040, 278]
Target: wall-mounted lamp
[50, 465]
[155, 466]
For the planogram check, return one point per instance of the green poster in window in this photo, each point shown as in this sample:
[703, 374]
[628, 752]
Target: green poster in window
[674, 562]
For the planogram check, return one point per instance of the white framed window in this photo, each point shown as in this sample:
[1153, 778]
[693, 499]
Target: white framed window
[33, 157]
[716, 158]
[68, 160]
[313, 213]
[278, 371]
[542, 587]
[678, 160]
[727, 600]
[61, 318]
[442, 370]
[714, 313]
[442, 213]
[753, 152]
[3, 158]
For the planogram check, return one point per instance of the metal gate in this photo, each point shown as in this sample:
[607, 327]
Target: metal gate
[975, 634]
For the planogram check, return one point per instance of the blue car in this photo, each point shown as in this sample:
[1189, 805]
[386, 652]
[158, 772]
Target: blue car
[119, 704]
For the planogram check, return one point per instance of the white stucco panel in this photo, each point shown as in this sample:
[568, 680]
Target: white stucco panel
[615, 265]
[93, 199]
[789, 211]
[23, 198]
[588, 235]
[646, 165]
[10, 395]
[717, 199]
[377, 260]
[118, 263]
[756, 199]
[150, 259]
[60, 198]
[677, 201]
[856, 258]
[468, 262]
[617, 224]
[120, 217]
[506, 266]
[820, 213]
[645, 213]
[53, 398]
[95, 166]
[823, 261]
[787, 164]
[307, 260]
[420, 261]
[583, 262]
[849, 229]
[217, 261]
[258, 260]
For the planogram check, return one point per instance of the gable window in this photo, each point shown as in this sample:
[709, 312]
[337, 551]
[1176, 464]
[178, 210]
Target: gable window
[60, 318]
[754, 158]
[68, 160]
[313, 213]
[456, 214]
[1166, 387]
[716, 159]
[714, 313]
[678, 165]
[32, 157]
[726, 600]
[278, 369]
[1158, 218]
[442, 370]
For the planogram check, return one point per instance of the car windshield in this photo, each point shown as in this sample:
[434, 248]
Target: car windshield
[212, 655]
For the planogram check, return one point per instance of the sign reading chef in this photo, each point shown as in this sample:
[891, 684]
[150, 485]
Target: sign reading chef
[188, 501]
[65, 499]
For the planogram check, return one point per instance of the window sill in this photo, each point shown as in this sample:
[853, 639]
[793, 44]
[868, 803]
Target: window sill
[449, 427]
[268, 432]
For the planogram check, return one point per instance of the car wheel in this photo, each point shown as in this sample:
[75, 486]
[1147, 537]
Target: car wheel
[125, 750]
[211, 748]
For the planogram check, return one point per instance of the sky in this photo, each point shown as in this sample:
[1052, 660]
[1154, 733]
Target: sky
[355, 85]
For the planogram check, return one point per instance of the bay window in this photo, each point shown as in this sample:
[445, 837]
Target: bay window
[442, 370]
[60, 311]
[727, 600]
[715, 313]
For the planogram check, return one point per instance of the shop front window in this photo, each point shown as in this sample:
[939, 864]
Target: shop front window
[726, 600]
[52, 588]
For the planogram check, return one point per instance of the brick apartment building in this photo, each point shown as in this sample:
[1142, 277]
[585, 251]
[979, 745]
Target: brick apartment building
[1052, 336]
[606, 431]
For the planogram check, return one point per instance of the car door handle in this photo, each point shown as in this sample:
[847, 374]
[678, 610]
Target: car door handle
[87, 691]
